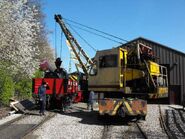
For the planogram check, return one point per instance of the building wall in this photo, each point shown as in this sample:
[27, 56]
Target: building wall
[175, 61]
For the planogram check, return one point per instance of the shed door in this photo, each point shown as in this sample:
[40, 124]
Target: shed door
[174, 94]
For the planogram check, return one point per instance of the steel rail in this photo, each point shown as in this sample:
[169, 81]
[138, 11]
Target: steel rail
[35, 127]
[163, 125]
[141, 131]
[8, 123]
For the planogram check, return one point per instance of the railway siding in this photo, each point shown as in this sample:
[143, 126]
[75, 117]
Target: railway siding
[20, 126]
[78, 122]
[84, 124]
[152, 126]
[175, 123]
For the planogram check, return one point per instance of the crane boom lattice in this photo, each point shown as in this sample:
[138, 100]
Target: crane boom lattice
[83, 59]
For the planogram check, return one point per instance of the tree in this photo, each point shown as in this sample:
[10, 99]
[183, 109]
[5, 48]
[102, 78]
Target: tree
[17, 35]
[41, 40]
[23, 42]
[23, 37]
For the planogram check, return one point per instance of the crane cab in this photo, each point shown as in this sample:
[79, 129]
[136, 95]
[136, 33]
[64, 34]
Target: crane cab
[106, 74]
[115, 72]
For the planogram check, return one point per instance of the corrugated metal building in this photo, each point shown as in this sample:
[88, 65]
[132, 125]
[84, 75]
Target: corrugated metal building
[175, 62]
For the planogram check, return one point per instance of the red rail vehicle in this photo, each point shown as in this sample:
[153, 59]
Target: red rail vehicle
[60, 92]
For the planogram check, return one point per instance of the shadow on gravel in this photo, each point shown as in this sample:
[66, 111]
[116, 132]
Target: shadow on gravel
[15, 131]
[93, 118]
[158, 101]
[32, 113]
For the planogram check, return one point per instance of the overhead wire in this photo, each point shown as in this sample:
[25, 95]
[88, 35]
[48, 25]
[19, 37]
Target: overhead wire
[105, 33]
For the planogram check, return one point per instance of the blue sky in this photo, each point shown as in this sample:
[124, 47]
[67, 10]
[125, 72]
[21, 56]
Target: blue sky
[162, 21]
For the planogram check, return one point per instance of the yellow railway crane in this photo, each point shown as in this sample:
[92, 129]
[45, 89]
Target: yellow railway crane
[120, 77]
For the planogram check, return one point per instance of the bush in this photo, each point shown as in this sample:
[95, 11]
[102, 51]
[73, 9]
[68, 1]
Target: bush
[23, 88]
[38, 74]
[6, 87]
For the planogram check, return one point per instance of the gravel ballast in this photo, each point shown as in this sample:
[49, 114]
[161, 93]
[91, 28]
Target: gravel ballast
[152, 126]
[9, 118]
[19, 127]
[79, 123]
[70, 127]
[84, 124]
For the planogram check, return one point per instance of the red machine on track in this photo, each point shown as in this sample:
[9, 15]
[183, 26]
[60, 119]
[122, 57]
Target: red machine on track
[60, 92]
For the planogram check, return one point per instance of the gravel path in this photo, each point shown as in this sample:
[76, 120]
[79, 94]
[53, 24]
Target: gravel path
[78, 123]
[9, 118]
[69, 126]
[152, 126]
[84, 125]
[4, 112]
[18, 128]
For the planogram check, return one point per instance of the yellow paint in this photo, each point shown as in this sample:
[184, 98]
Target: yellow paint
[122, 64]
[138, 112]
[125, 57]
[162, 90]
[154, 68]
[130, 112]
[121, 74]
[117, 107]
[72, 77]
[111, 75]
[132, 74]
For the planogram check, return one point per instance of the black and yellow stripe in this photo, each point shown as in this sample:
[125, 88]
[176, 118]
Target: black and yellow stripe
[130, 107]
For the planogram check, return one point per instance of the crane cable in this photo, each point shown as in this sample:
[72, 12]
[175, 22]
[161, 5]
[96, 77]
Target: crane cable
[55, 40]
[105, 33]
[95, 34]
[61, 44]
[82, 38]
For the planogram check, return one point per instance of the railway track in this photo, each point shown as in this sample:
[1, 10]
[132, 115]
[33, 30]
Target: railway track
[23, 126]
[133, 131]
[175, 123]
[5, 125]
[130, 131]
[163, 124]
[31, 130]
[141, 131]
[106, 132]
[171, 127]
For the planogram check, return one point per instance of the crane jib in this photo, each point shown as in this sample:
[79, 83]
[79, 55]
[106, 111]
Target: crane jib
[74, 45]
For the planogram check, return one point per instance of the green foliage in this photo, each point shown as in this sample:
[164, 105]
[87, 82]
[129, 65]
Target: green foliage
[6, 87]
[38, 74]
[23, 88]
[17, 86]
[17, 63]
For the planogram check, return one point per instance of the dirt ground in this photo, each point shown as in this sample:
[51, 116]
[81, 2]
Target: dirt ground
[4, 111]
